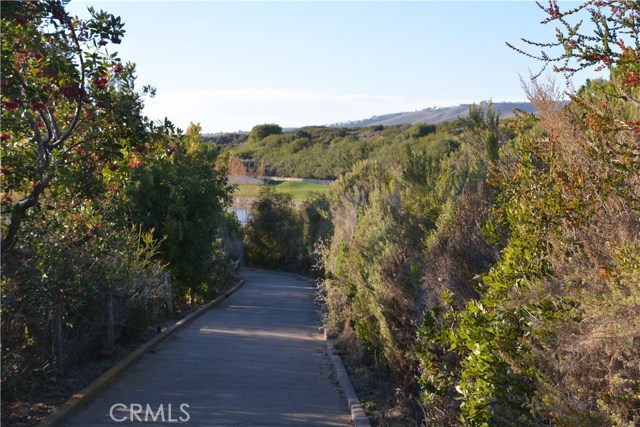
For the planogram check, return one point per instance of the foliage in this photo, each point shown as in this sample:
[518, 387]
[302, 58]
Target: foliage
[273, 233]
[613, 42]
[402, 235]
[526, 336]
[180, 197]
[69, 106]
[421, 129]
[538, 345]
[316, 228]
[284, 235]
[327, 153]
[68, 270]
[260, 132]
[78, 278]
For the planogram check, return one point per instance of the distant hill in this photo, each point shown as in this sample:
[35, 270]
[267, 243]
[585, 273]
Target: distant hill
[428, 115]
[436, 115]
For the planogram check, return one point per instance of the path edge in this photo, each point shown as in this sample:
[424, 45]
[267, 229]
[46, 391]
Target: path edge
[80, 399]
[358, 414]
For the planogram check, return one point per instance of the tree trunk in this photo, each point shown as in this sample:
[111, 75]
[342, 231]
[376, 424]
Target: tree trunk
[18, 212]
[110, 323]
[58, 342]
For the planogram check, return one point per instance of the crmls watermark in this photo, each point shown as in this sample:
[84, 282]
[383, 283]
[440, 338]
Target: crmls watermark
[120, 412]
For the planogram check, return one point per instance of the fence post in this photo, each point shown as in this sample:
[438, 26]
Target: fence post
[58, 343]
[169, 294]
[110, 322]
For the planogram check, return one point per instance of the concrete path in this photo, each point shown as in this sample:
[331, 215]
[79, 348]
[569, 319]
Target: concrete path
[257, 359]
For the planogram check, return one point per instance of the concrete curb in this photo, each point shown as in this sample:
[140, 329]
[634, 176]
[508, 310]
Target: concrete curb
[80, 399]
[358, 414]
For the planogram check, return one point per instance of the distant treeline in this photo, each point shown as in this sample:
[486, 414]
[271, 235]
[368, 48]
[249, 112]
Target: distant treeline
[224, 139]
[327, 153]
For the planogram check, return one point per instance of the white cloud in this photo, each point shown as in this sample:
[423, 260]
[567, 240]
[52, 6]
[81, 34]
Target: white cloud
[241, 109]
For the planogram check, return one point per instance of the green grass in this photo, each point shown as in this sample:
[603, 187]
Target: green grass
[298, 190]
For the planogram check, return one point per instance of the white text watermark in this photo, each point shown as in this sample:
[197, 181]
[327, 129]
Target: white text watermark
[121, 412]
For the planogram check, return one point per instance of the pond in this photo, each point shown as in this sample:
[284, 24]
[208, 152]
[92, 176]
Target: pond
[241, 206]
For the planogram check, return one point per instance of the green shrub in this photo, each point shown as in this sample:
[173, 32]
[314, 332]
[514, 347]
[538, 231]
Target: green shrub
[181, 198]
[273, 235]
[260, 132]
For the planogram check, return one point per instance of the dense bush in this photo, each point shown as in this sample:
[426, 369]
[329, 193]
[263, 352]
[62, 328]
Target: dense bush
[260, 132]
[326, 153]
[79, 287]
[316, 229]
[543, 343]
[284, 236]
[181, 197]
[519, 299]
[403, 234]
[421, 129]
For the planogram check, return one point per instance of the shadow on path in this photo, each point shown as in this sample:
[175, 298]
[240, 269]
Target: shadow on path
[258, 359]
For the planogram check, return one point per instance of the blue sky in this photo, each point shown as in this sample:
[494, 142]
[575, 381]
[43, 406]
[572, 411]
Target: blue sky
[231, 65]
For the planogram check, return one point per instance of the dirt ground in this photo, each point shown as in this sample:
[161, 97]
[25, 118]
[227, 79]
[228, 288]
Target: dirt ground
[386, 404]
[30, 411]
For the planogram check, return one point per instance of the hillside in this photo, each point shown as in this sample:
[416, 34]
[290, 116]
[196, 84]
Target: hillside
[436, 115]
[327, 152]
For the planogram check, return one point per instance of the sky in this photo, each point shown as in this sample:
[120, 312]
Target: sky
[232, 65]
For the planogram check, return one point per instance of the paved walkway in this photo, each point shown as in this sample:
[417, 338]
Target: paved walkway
[258, 359]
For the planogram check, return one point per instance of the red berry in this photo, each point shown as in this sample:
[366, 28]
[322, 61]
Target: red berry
[11, 105]
[100, 82]
[3, 137]
[117, 68]
[59, 14]
[71, 92]
[38, 106]
[21, 20]
[135, 164]
[5, 171]
[113, 167]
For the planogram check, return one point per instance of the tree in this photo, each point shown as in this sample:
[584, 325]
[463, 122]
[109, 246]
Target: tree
[69, 105]
[260, 132]
[613, 42]
[421, 129]
[75, 275]
[180, 196]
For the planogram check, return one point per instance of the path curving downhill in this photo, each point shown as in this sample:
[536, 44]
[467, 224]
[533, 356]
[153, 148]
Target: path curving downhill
[257, 359]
